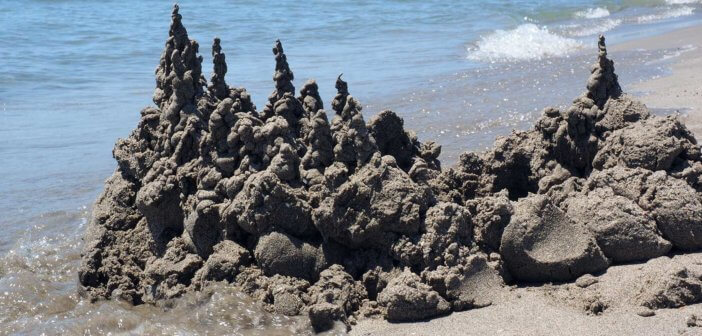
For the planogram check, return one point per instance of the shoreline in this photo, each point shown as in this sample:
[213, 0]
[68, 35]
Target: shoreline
[681, 89]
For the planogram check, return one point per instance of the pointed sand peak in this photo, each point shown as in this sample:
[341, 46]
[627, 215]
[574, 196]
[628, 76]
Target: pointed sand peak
[309, 96]
[283, 76]
[218, 86]
[216, 46]
[603, 82]
[342, 89]
[179, 60]
[178, 31]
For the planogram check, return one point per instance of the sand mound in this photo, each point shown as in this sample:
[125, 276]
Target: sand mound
[542, 244]
[342, 219]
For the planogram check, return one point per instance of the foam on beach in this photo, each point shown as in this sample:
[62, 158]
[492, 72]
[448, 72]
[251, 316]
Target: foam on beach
[526, 42]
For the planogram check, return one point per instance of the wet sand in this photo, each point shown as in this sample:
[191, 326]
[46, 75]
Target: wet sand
[682, 89]
[558, 309]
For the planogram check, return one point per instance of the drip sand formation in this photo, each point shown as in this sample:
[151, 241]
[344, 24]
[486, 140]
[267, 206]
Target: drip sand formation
[342, 219]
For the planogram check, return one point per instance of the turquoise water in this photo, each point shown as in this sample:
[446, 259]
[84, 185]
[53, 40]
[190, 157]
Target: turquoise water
[74, 75]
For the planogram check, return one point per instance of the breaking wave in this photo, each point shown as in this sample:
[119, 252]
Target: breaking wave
[593, 13]
[527, 41]
[594, 29]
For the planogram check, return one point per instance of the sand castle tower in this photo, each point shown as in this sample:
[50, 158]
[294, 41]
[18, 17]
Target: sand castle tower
[282, 77]
[339, 101]
[179, 74]
[354, 145]
[309, 96]
[316, 135]
[603, 82]
[218, 86]
[282, 101]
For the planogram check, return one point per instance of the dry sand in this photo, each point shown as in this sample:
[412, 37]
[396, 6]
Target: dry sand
[562, 310]
[610, 306]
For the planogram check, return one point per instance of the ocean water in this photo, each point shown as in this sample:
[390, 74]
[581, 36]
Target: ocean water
[74, 75]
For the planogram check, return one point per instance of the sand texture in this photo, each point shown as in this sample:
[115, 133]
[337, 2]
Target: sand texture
[681, 90]
[345, 219]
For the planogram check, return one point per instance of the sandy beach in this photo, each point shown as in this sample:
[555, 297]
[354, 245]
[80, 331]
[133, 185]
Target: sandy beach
[554, 309]
[546, 310]
[681, 90]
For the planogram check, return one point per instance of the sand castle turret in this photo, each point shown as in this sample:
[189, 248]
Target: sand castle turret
[309, 96]
[579, 128]
[342, 92]
[282, 101]
[603, 82]
[179, 74]
[316, 135]
[282, 77]
[218, 86]
[354, 145]
[179, 33]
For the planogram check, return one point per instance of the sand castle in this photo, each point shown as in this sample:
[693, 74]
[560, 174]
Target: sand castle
[345, 219]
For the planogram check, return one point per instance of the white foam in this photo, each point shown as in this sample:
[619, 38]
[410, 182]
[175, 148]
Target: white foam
[594, 29]
[593, 13]
[682, 2]
[528, 41]
[668, 14]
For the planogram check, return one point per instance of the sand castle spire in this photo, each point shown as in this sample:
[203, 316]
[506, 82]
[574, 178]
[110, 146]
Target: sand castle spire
[601, 46]
[342, 89]
[354, 144]
[316, 135]
[283, 76]
[178, 31]
[179, 79]
[218, 86]
[603, 82]
[309, 97]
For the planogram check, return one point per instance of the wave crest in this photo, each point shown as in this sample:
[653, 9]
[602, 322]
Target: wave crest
[593, 13]
[598, 28]
[527, 41]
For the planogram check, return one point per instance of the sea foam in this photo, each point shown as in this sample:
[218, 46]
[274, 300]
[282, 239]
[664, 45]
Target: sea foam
[527, 41]
[593, 13]
[594, 29]
[668, 14]
[682, 2]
